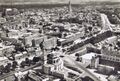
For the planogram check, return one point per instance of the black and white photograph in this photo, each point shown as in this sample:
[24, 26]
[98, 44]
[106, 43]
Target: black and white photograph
[59, 40]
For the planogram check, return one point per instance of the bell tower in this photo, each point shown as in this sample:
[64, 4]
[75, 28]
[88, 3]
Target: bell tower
[69, 8]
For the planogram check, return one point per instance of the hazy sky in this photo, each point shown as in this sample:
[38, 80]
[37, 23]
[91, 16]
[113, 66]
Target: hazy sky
[54, 1]
[87, 0]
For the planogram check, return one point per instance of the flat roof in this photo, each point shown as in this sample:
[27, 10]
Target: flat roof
[88, 55]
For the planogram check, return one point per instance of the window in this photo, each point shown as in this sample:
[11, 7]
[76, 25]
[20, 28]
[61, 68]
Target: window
[54, 61]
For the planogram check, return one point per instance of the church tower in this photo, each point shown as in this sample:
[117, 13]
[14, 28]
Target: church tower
[69, 8]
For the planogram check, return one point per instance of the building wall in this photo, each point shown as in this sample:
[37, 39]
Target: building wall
[94, 62]
[58, 74]
[37, 41]
[50, 43]
[47, 69]
[28, 40]
[110, 61]
[110, 51]
[84, 61]
[105, 69]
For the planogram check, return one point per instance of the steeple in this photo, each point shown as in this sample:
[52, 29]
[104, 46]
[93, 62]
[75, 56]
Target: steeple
[69, 7]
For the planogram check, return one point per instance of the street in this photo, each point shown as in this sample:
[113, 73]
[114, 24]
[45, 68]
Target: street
[68, 61]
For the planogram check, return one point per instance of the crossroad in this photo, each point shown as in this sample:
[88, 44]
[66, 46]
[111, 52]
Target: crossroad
[68, 61]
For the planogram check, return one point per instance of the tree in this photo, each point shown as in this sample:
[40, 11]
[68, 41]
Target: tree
[14, 65]
[22, 64]
[77, 54]
[1, 69]
[8, 67]
[41, 45]
[36, 59]
[27, 62]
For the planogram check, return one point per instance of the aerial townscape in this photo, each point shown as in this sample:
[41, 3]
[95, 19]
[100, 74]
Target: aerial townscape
[60, 42]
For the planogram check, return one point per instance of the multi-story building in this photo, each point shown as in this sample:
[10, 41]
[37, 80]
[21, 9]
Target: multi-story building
[5, 50]
[36, 41]
[53, 63]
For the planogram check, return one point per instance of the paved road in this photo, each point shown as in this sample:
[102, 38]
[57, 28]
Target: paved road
[105, 22]
[22, 70]
[68, 61]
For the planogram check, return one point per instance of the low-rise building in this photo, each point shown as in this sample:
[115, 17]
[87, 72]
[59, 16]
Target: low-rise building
[5, 50]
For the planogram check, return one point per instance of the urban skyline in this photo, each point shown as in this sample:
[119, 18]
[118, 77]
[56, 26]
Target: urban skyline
[59, 42]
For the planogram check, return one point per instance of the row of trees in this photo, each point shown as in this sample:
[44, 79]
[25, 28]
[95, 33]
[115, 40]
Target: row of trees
[7, 68]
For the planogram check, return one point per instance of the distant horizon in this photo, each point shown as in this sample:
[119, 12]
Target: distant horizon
[53, 1]
[44, 2]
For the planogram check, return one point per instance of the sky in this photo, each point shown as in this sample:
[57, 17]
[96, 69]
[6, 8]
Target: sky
[88, 0]
[56, 1]
[78, 1]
